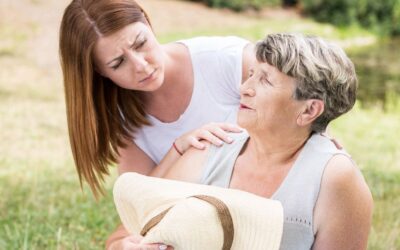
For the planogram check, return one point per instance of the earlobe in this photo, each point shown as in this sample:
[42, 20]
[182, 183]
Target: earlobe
[312, 109]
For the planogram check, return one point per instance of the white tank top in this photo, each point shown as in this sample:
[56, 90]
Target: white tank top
[217, 68]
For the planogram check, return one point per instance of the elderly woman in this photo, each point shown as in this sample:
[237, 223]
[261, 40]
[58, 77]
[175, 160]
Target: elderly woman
[297, 86]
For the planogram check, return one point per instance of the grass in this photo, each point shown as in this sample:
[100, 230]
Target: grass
[257, 28]
[41, 203]
[369, 135]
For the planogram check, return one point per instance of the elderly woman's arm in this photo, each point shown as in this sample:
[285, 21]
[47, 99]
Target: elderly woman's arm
[343, 212]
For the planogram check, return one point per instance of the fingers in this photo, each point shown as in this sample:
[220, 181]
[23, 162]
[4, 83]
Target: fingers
[337, 144]
[215, 133]
[195, 142]
[229, 127]
[162, 247]
[212, 133]
[219, 132]
[138, 246]
[155, 247]
[133, 238]
[132, 242]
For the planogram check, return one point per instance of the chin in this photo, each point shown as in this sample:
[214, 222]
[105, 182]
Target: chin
[243, 122]
[155, 85]
[158, 82]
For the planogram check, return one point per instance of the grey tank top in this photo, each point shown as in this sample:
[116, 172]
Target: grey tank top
[298, 192]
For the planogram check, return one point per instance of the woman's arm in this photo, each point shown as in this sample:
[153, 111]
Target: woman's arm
[343, 212]
[114, 241]
[185, 168]
[190, 166]
[122, 240]
[133, 159]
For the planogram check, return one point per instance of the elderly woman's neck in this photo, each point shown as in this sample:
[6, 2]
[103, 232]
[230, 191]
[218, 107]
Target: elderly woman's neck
[276, 149]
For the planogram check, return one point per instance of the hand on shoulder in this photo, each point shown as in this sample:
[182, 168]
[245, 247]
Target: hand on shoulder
[214, 133]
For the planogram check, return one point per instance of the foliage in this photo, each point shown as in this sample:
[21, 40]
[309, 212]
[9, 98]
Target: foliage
[368, 135]
[239, 5]
[382, 16]
[378, 73]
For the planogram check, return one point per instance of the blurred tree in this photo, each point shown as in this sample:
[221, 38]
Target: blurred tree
[239, 5]
[382, 16]
[289, 3]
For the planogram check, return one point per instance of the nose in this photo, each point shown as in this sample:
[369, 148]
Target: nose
[138, 60]
[247, 89]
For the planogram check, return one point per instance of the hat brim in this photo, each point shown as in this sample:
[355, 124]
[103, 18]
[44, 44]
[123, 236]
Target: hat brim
[192, 223]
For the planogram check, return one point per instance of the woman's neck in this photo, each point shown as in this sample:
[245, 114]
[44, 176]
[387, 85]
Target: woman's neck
[169, 101]
[274, 150]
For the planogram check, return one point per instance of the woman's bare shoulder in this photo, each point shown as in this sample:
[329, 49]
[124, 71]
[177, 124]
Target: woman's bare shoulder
[344, 204]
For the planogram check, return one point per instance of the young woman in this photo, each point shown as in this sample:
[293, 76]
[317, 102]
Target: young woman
[128, 97]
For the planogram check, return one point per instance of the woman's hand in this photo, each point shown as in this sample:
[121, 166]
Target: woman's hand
[215, 133]
[132, 242]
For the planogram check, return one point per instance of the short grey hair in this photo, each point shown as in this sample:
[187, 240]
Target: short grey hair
[322, 71]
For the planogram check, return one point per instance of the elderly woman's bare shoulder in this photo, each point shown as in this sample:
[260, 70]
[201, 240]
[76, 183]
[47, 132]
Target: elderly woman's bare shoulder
[341, 168]
[342, 173]
[344, 204]
[343, 180]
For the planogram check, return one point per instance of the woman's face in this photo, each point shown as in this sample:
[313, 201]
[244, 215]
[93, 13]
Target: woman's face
[131, 57]
[267, 101]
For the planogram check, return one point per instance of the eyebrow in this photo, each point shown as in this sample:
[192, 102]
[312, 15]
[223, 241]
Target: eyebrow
[119, 57]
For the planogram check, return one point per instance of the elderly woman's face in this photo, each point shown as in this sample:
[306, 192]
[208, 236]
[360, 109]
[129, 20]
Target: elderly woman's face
[131, 58]
[267, 101]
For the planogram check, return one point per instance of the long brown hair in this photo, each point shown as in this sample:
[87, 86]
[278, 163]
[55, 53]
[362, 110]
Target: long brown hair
[100, 115]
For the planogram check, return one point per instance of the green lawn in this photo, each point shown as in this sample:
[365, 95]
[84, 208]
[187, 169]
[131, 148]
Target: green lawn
[369, 135]
[41, 203]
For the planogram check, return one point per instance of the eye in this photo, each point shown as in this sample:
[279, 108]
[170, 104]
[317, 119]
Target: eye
[264, 79]
[251, 73]
[140, 45]
[116, 66]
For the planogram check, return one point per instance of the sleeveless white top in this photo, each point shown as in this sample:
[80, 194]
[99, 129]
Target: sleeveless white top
[298, 192]
[217, 68]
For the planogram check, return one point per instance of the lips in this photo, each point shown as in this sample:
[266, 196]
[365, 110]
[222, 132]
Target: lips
[149, 76]
[242, 106]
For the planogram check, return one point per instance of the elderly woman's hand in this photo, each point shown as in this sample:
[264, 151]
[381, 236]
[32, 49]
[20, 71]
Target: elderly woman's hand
[215, 133]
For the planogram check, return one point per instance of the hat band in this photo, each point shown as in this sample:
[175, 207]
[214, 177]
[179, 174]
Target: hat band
[224, 216]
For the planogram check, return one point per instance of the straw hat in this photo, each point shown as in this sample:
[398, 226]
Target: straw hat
[190, 216]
